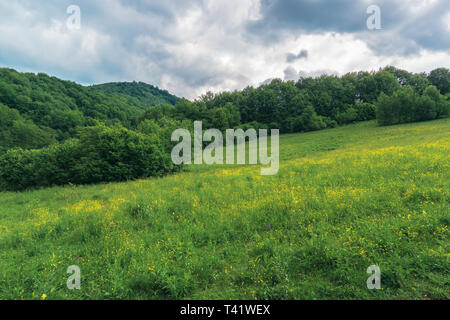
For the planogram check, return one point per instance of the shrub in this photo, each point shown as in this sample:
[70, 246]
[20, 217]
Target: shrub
[365, 111]
[349, 116]
[100, 154]
[310, 121]
[405, 105]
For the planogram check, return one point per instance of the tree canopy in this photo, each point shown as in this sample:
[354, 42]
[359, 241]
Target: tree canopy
[55, 132]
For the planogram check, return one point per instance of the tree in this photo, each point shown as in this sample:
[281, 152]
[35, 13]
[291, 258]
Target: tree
[424, 109]
[15, 131]
[441, 79]
[419, 82]
[405, 100]
[402, 76]
[387, 110]
[441, 105]
[219, 118]
[309, 120]
[386, 83]
[366, 87]
[406, 105]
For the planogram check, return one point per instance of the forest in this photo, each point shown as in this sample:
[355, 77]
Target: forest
[39, 110]
[54, 132]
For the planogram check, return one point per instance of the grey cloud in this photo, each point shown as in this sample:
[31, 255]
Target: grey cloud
[317, 73]
[310, 15]
[291, 57]
[402, 32]
[290, 73]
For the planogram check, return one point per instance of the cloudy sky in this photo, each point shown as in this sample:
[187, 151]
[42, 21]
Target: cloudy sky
[190, 47]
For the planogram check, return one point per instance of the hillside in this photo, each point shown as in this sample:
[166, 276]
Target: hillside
[344, 199]
[38, 109]
[146, 94]
[55, 132]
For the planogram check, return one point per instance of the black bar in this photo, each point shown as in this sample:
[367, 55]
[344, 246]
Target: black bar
[226, 309]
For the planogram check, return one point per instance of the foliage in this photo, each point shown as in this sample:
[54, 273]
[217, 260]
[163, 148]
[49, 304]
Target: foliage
[146, 94]
[406, 105]
[60, 107]
[38, 111]
[15, 131]
[306, 105]
[99, 154]
[441, 79]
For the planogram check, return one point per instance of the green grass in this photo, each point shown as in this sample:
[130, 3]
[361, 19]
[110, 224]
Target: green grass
[344, 199]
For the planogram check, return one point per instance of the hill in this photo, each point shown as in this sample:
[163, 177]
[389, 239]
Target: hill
[98, 133]
[343, 200]
[38, 109]
[145, 94]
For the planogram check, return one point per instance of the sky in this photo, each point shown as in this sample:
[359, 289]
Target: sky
[191, 47]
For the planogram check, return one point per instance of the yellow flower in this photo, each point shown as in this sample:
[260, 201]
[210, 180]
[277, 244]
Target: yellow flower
[44, 296]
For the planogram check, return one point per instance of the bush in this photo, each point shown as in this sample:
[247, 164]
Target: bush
[424, 109]
[309, 120]
[405, 105]
[365, 111]
[349, 116]
[100, 154]
[254, 125]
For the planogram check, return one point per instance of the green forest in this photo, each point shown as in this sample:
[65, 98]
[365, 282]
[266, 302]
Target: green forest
[39, 110]
[55, 132]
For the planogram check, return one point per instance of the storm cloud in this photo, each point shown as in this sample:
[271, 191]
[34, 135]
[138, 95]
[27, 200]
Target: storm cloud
[407, 26]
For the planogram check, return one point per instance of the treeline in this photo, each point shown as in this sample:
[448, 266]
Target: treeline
[406, 105]
[54, 132]
[318, 103]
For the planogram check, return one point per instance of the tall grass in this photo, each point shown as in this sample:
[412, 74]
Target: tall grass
[344, 199]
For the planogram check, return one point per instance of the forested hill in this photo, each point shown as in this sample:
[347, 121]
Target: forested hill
[118, 135]
[37, 110]
[145, 93]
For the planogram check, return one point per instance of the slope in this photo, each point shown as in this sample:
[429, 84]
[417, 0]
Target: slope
[344, 199]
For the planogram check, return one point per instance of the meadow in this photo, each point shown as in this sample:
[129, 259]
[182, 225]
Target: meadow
[343, 199]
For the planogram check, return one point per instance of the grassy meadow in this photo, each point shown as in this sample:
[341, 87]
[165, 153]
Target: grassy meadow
[343, 199]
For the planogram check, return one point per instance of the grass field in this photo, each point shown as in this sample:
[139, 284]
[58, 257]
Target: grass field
[344, 199]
